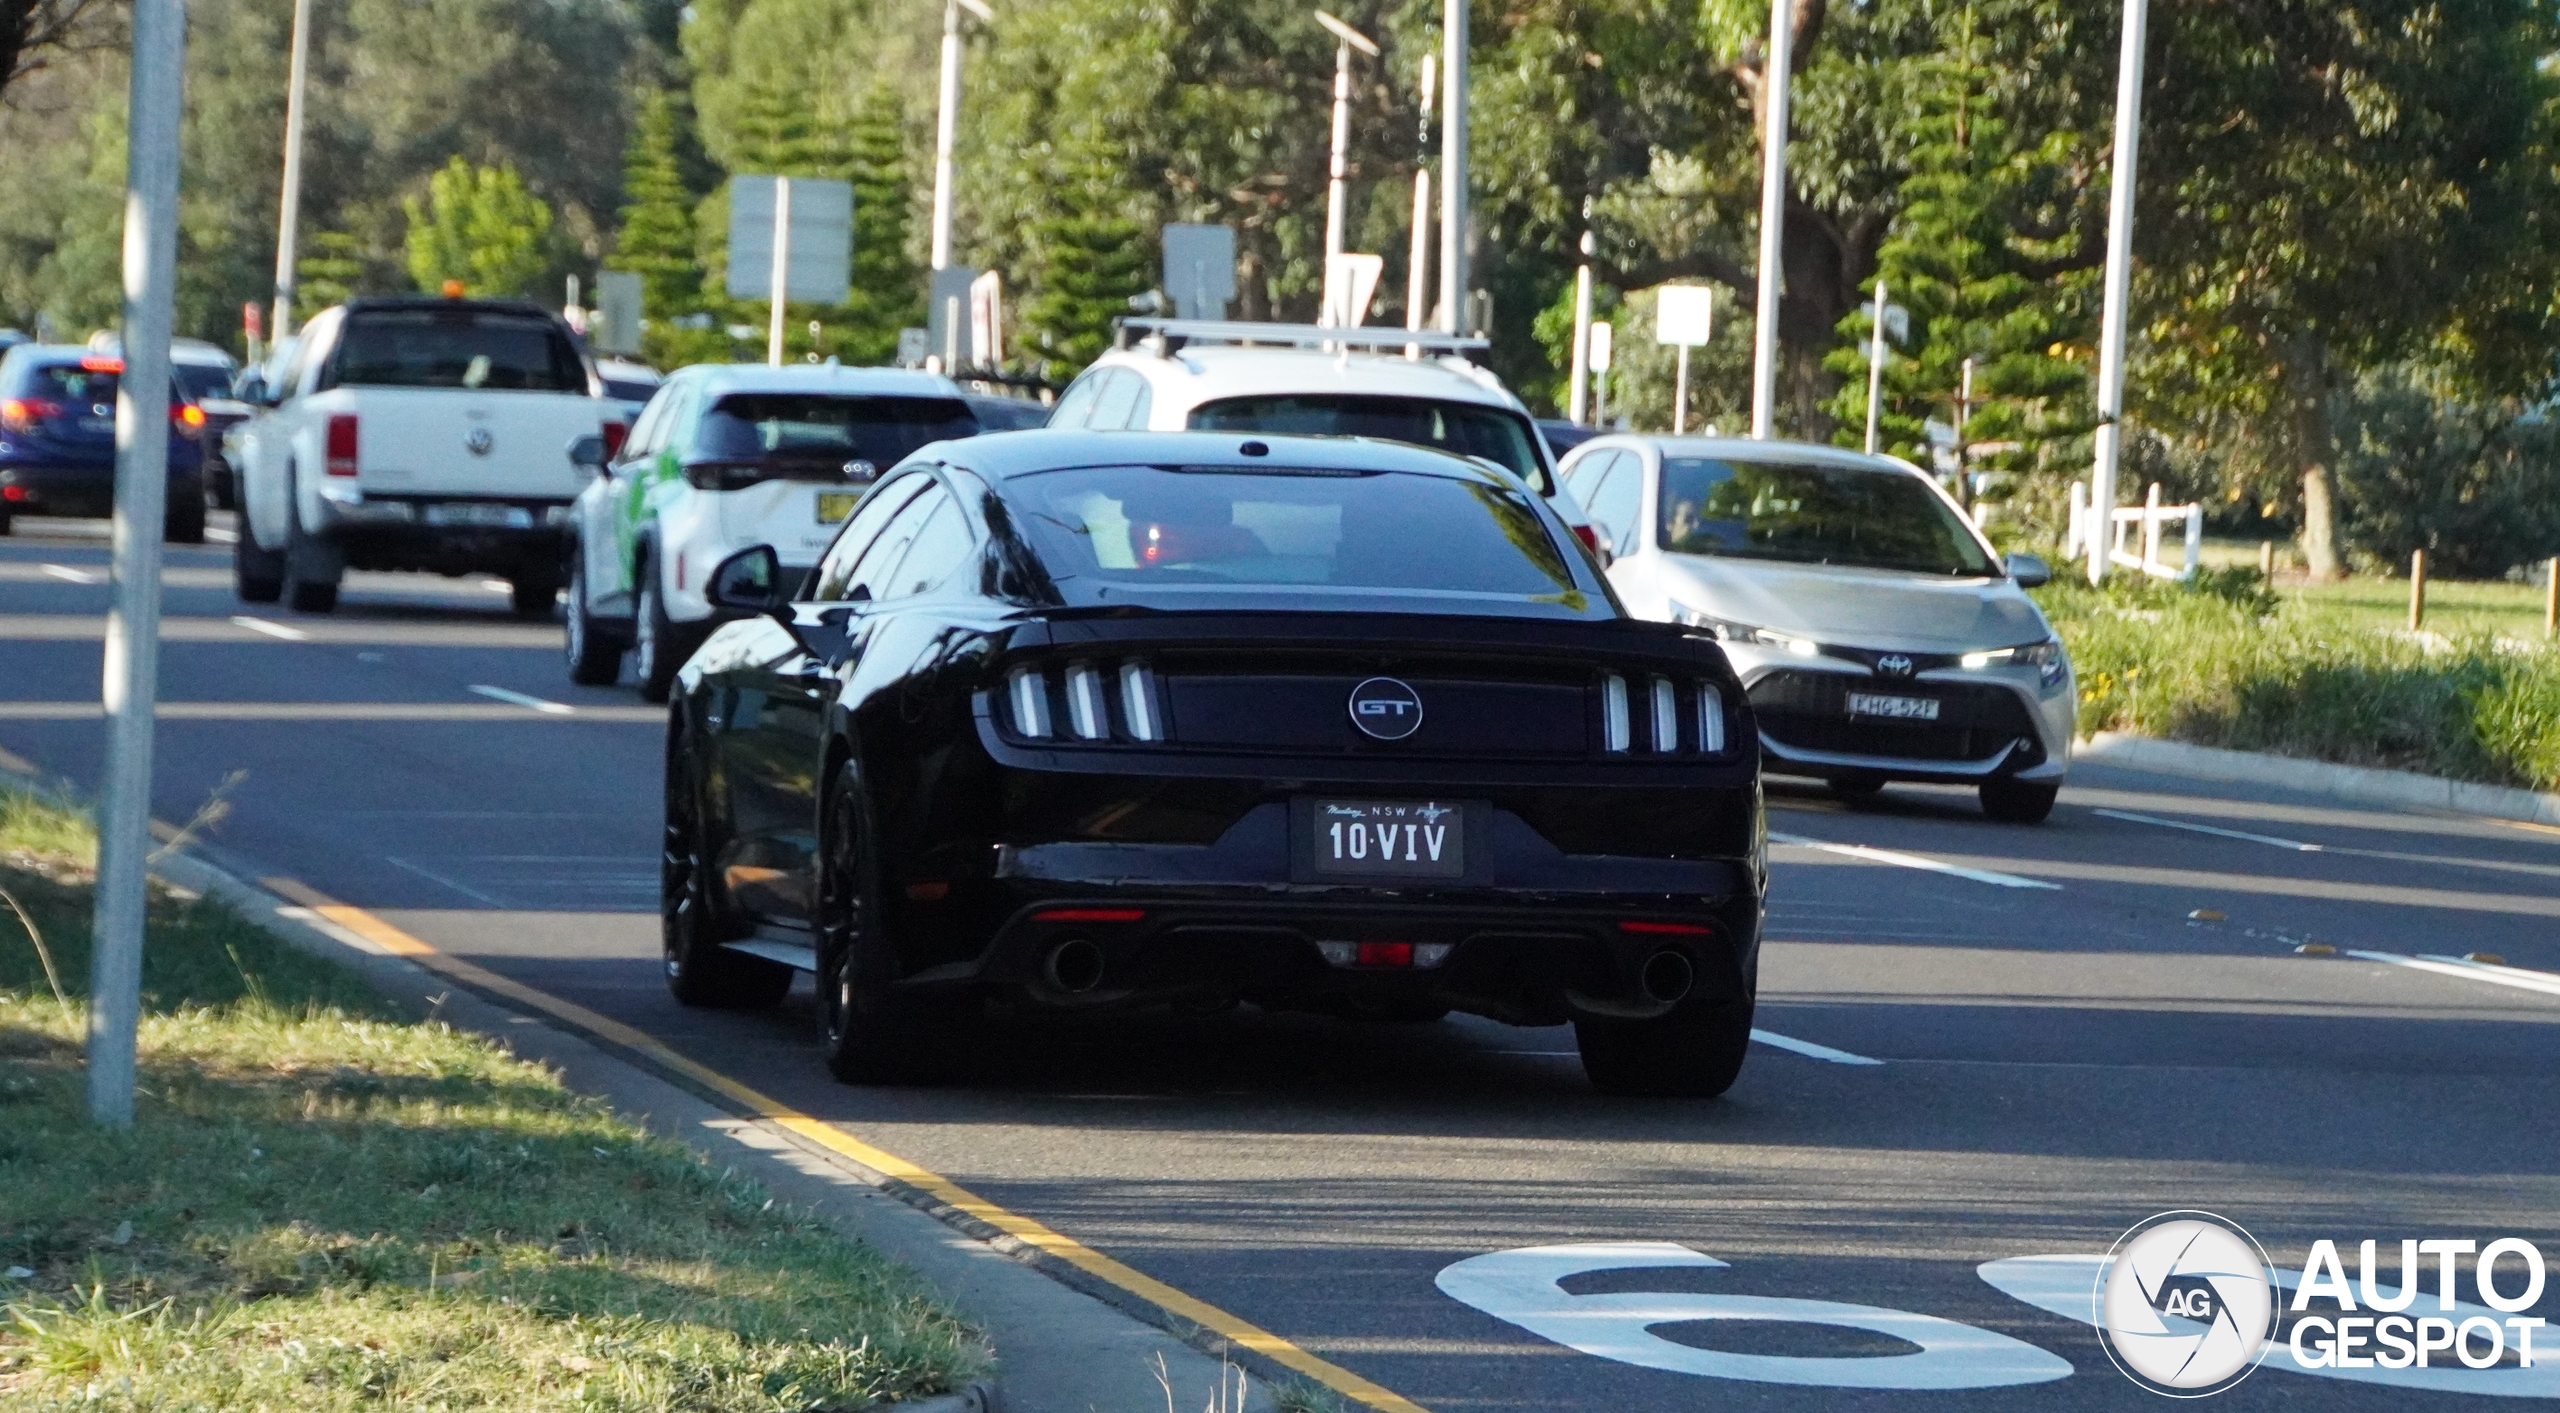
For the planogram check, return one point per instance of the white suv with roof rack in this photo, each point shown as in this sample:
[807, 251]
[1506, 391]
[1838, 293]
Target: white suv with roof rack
[1400, 385]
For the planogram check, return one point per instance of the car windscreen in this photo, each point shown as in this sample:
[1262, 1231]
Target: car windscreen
[1173, 528]
[1466, 428]
[202, 380]
[628, 390]
[460, 348]
[1008, 414]
[1814, 514]
[826, 428]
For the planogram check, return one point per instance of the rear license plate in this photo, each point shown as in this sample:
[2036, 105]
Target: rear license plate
[1893, 708]
[834, 506]
[510, 517]
[1387, 838]
[97, 424]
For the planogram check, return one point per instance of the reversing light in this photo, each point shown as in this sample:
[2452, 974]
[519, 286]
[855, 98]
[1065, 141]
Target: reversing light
[1613, 713]
[1666, 717]
[1084, 703]
[1031, 702]
[1138, 702]
[1710, 718]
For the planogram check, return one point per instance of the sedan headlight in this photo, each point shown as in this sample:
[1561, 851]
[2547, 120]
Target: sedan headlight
[1726, 630]
[2045, 656]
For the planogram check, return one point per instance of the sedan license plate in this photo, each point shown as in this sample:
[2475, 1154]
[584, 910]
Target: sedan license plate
[1893, 708]
[1387, 838]
[834, 506]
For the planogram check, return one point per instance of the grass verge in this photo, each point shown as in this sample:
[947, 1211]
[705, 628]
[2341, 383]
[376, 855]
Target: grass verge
[2227, 663]
[325, 1206]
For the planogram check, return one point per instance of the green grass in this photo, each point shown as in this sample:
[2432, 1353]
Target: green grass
[2455, 608]
[2312, 675]
[325, 1206]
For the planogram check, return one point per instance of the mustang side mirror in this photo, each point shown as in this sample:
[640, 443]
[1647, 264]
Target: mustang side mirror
[749, 581]
[2029, 570]
[587, 452]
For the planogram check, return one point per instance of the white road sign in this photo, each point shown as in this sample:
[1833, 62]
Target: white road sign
[821, 248]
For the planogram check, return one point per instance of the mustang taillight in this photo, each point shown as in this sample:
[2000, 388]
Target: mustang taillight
[1077, 702]
[1666, 730]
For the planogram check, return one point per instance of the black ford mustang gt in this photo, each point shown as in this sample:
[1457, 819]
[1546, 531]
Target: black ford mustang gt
[1095, 721]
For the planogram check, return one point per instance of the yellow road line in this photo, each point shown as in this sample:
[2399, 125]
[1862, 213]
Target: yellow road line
[1234, 1329]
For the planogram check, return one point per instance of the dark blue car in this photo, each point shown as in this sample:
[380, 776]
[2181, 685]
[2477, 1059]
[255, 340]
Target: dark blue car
[58, 439]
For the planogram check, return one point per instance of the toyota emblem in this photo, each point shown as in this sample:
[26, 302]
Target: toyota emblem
[479, 441]
[1386, 709]
[1895, 665]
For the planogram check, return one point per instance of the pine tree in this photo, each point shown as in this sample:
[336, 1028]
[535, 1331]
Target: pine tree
[656, 240]
[1957, 260]
[480, 226]
[1090, 259]
[888, 289]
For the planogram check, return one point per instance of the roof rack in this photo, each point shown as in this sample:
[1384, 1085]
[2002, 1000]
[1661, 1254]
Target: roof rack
[1178, 332]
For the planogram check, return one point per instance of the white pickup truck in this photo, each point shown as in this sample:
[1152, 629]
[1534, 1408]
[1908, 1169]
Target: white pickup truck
[416, 434]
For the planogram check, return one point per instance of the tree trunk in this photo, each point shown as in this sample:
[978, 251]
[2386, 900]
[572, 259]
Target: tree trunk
[2313, 450]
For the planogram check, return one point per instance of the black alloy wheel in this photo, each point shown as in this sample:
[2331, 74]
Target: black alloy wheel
[1694, 1052]
[701, 972]
[2017, 802]
[595, 659]
[868, 1033]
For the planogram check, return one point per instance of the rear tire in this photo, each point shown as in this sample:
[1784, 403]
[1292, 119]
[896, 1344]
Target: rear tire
[595, 659]
[660, 645]
[5, 518]
[312, 567]
[185, 525]
[1694, 1052]
[868, 1032]
[2016, 802]
[257, 573]
[700, 972]
[534, 593]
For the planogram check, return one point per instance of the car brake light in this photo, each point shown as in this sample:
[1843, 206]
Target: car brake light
[1386, 954]
[1590, 538]
[614, 434]
[21, 414]
[98, 364]
[187, 415]
[1666, 929]
[1090, 915]
[342, 445]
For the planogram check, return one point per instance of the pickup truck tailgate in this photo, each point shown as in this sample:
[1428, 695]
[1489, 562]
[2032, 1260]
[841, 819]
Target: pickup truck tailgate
[471, 444]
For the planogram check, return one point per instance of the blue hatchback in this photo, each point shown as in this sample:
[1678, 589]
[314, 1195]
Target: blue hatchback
[58, 439]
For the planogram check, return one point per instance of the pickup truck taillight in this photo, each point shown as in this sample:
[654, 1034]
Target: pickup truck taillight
[342, 445]
[614, 434]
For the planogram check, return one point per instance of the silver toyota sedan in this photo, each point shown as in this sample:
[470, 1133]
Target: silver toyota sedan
[1879, 635]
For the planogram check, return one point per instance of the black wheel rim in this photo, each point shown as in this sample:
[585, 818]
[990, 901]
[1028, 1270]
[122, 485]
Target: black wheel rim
[840, 913]
[680, 881]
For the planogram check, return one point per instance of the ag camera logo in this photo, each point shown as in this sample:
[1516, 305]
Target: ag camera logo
[1386, 709]
[2185, 1303]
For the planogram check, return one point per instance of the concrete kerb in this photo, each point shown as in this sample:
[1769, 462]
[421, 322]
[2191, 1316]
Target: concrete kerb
[1065, 1342]
[2358, 784]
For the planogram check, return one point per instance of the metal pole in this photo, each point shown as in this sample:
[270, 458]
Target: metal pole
[1453, 166]
[1964, 444]
[132, 675]
[2102, 480]
[1875, 371]
[781, 268]
[289, 219]
[1417, 304]
[1680, 396]
[1580, 400]
[1773, 215]
[1333, 191]
[946, 133]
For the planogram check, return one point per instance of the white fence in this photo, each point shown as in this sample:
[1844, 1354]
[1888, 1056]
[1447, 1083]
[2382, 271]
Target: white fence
[2150, 516]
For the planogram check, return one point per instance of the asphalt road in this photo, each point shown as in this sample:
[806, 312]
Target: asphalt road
[2020, 1057]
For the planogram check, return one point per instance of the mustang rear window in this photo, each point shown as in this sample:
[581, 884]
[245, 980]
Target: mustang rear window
[1149, 525]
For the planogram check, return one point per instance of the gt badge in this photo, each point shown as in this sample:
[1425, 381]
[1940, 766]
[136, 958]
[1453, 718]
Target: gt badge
[1386, 709]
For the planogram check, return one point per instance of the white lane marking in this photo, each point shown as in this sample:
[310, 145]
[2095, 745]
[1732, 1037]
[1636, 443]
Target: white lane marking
[1526, 1288]
[1888, 856]
[433, 876]
[496, 586]
[270, 628]
[1810, 1050]
[2455, 966]
[2294, 844]
[2523, 974]
[69, 575]
[221, 536]
[501, 694]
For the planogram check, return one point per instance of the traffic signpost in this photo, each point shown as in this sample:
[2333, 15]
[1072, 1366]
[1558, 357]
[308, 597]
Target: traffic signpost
[1685, 316]
[1200, 269]
[790, 238]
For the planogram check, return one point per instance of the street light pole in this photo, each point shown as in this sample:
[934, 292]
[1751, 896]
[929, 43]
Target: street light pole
[2102, 477]
[289, 219]
[946, 128]
[1453, 166]
[1578, 402]
[132, 669]
[1418, 259]
[1875, 371]
[1773, 214]
[1346, 39]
